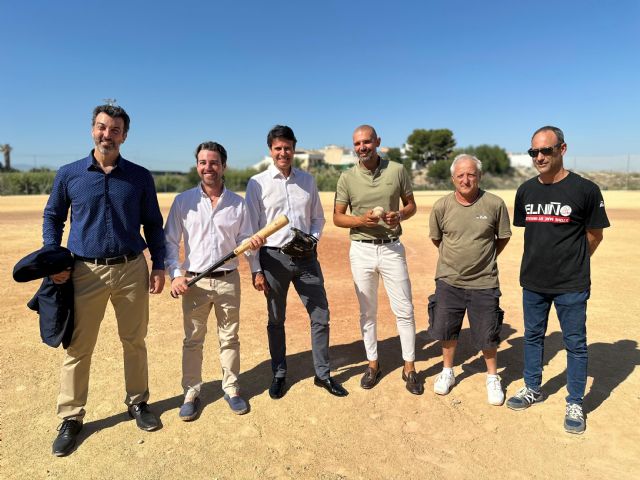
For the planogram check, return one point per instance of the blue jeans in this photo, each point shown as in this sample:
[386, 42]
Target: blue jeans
[572, 314]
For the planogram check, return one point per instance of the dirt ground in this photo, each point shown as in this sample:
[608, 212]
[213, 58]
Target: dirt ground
[383, 433]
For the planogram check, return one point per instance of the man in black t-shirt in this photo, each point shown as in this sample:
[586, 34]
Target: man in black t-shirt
[563, 215]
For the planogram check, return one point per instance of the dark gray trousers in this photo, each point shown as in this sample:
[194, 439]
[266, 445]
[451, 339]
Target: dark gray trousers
[280, 271]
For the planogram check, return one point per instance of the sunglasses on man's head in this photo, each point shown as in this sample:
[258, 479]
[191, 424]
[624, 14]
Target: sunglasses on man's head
[546, 151]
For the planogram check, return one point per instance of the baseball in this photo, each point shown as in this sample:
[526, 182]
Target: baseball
[378, 211]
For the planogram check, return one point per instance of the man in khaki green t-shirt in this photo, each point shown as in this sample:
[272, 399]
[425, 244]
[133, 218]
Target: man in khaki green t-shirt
[373, 189]
[470, 227]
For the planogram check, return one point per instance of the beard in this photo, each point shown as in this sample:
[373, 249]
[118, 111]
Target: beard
[367, 157]
[105, 147]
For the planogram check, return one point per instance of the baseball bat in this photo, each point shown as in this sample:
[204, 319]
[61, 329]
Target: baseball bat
[264, 232]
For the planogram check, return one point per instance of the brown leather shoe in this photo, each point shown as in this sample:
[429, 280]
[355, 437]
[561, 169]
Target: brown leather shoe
[413, 385]
[370, 378]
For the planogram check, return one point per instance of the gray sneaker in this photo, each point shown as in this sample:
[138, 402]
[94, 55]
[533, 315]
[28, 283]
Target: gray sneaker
[524, 398]
[574, 419]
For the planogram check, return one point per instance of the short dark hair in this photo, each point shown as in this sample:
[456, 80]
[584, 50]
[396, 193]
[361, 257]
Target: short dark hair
[281, 131]
[548, 128]
[114, 112]
[213, 147]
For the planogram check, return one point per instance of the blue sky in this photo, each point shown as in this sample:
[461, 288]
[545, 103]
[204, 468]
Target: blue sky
[228, 71]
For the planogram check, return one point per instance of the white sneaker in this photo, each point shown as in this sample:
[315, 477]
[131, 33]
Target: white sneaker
[444, 382]
[495, 394]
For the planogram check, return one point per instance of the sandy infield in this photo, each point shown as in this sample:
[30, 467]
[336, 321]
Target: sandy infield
[384, 433]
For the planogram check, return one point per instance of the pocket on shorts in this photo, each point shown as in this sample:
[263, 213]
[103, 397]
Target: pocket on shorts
[498, 324]
[431, 312]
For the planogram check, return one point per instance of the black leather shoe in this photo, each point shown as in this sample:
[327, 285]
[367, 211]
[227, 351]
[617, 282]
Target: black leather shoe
[370, 378]
[413, 385]
[68, 431]
[276, 390]
[145, 419]
[331, 386]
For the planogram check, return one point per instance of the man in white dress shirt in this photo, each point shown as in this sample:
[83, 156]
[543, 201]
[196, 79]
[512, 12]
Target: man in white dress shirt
[212, 221]
[282, 189]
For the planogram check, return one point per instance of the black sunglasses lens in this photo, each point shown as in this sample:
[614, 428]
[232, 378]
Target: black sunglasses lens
[546, 151]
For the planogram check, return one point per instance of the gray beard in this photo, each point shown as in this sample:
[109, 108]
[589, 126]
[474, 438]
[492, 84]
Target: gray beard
[368, 157]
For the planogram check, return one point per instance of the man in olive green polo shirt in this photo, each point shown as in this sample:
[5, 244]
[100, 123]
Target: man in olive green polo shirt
[470, 227]
[376, 250]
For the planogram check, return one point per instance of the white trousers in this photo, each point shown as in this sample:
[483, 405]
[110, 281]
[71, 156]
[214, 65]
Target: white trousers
[369, 262]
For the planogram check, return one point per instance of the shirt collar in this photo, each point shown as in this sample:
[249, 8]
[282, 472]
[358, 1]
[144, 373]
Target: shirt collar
[274, 172]
[382, 164]
[91, 162]
[204, 195]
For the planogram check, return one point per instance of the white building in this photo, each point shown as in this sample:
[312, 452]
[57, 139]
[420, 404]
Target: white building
[306, 159]
[520, 160]
[334, 155]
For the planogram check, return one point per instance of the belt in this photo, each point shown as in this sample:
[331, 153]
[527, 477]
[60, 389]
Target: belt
[378, 241]
[218, 274]
[304, 255]
[110, 260]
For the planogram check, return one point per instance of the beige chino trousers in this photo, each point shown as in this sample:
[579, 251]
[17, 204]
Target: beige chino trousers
[127, 286]
[223, 295]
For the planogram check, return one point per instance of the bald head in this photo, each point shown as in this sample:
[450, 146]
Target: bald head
[366, 129]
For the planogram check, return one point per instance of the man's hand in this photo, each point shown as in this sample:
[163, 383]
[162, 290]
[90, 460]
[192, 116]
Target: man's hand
[594, 237]
[260, 282]
[156, 281]
[369, 219]
[392, 218]
[256, 242]
[179, 286]
[61, 277]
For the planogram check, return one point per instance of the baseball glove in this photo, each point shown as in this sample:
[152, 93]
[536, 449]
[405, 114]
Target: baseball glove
[301, 245]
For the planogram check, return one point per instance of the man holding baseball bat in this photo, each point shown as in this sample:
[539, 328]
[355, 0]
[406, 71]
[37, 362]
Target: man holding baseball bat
[282, 189]
[212, 221]
[372, 189]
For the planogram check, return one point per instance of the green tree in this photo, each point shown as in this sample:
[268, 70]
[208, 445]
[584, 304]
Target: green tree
[26, 183]
[193, 178]
[236, 180]
[430, 145]
[171, 183]
[494, 158]
[395, 155]
[440, 169]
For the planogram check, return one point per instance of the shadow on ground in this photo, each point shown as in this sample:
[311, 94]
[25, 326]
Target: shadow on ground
[609, 365]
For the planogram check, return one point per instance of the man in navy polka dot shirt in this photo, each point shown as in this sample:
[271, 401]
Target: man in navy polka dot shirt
[110, 198]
